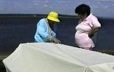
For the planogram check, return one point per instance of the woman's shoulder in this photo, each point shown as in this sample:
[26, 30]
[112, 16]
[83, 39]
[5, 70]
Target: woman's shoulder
[93, 16]
[42, 20]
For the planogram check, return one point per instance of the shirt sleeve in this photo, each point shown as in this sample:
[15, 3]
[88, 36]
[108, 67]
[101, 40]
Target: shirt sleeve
[53, 33]
[96, 23]
[41, 29]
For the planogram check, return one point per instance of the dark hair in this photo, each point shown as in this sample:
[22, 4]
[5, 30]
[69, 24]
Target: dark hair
[82, 9]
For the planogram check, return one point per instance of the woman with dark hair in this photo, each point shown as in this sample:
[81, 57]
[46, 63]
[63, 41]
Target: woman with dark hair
[87, 26]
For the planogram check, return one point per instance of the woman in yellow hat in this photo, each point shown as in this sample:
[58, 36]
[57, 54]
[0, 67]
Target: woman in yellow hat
[44, 33]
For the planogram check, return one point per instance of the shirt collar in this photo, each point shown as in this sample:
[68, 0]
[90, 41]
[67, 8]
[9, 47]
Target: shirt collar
[88, 17]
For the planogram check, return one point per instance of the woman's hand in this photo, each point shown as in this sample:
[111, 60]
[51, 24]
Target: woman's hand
[91, 35]
[55, 40]
[93, 31]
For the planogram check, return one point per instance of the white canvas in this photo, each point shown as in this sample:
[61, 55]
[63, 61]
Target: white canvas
[50, 57]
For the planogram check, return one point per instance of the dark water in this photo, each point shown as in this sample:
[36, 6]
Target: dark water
[16, 29]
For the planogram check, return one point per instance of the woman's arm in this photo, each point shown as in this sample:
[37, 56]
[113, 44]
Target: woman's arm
[96, 26]
[93, 31]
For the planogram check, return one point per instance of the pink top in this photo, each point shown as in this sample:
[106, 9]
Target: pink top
[83, 28]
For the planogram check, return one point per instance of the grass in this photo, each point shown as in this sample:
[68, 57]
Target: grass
[2, 67]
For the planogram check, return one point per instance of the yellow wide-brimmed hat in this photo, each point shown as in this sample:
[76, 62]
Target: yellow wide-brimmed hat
[53, 16]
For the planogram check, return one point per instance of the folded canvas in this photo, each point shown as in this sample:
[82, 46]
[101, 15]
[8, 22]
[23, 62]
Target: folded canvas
[50, 57]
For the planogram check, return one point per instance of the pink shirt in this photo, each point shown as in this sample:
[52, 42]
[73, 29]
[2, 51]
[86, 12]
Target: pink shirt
[83, 28]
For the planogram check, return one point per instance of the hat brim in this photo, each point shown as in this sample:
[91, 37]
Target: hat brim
[53, 19]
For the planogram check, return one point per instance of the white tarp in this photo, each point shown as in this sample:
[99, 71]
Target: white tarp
[50, 57]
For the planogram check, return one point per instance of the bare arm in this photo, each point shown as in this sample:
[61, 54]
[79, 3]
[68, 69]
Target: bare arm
[93, 31]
